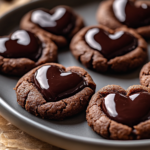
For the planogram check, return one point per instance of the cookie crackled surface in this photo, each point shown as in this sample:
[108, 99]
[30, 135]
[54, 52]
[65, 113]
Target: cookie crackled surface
[129, 13]
[21, 51]
[55, 92]
[102, 49]
[145, 75]
[120, 114]
[59, 24]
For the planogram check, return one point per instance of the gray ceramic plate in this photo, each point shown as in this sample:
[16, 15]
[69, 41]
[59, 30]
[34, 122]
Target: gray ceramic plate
[73, 133]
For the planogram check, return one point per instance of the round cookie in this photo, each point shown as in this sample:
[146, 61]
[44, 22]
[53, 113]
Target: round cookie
[120, 114]
[129, 13]
[102, 49]
[59, 24]
[21, 51]
[54, 92]
[145, 75]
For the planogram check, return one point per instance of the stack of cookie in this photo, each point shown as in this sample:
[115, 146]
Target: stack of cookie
[51, 91]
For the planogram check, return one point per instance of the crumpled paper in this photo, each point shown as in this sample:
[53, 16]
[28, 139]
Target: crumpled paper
[12, 138]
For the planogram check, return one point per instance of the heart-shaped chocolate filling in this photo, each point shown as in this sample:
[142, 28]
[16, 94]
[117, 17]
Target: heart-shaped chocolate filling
[129, 110]
[59, 21]
[110, 45]
[56, 84]
[131, 15]
[20, 44]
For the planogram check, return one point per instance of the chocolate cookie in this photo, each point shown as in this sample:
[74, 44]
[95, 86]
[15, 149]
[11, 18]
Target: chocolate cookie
[130, 13]
[145, 75]
[55, 92]
[100, 48]
[22, 50]
[120, 114]
[59, 24]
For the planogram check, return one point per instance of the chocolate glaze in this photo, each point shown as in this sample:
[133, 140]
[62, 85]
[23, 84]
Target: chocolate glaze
[20, 44]
[59, 21]
[110, 45]
[131, 15]
[127, 110]
[56, 84]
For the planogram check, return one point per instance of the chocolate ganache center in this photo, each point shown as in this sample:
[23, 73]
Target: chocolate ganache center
[59, 21]
[128, 110]
[56, 84]
[110, 45]
[20, 44]
[131, 13]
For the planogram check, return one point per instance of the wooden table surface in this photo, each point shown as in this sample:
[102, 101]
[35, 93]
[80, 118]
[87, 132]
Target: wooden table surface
[12, 138]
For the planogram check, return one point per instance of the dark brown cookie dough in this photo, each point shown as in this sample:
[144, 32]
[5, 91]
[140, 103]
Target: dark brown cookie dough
[95, 60]
[111, 129]
[20, 66]
[105, 16]
[145, 75]
[30, 98]
[59, 40]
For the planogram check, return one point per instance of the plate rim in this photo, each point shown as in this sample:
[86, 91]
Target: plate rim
[102, 142]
